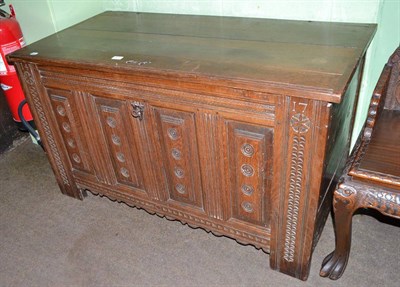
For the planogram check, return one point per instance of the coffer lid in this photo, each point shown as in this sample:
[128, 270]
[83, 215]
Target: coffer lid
[302, 58]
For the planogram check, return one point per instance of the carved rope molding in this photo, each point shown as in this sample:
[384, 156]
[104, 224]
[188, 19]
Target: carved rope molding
[300, 124]
[30, 83]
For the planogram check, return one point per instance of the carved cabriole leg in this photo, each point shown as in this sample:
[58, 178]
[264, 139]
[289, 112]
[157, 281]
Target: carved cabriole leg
[35, 95]
[349, 197]
[344, 205]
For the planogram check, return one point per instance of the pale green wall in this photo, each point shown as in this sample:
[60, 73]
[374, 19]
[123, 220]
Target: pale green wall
[34, 17]
[67, 13]
[39, 18]
[386, 40]
[324, 10]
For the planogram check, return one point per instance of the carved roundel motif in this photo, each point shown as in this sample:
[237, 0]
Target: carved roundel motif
[179, 172]
[121, 157]
[247, 150]
[247, 206]
[111, 122]
[300, 123]
[176, 153]
[66, 127]
[345, 190]
[180, 188]
[247, 170]
[124, 172]
[61, 110]
[247, 189]
[76, 158]
[173, 133]
[116, 139]
[71, 143]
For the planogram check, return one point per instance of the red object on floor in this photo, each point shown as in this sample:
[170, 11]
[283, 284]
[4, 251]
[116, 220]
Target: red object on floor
[11, 39]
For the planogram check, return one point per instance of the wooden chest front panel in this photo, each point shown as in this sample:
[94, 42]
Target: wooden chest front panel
[121, 148]
[70, 126]
[213, 161]
[176, 134]
[249, 159]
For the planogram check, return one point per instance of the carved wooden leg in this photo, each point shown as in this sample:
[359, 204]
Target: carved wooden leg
[344, 206]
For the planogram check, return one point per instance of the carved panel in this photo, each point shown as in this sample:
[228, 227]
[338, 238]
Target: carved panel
[177, 135]
[300, 125]
[69, 125]
[250, 156]
[35, 99]
[296, 173]
[123, 152]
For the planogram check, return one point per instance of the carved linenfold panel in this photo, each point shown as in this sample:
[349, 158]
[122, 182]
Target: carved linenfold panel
[177, 135]
[69, 126]
[123, 152]
[30, 83]
[250, 155]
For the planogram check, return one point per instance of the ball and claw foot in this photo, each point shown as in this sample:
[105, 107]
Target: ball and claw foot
[334, 265]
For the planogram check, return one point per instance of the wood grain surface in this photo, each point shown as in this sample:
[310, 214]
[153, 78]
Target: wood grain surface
[235, 125]
[315, 58]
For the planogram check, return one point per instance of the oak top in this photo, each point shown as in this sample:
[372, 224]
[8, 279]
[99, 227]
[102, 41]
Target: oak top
[314, 59]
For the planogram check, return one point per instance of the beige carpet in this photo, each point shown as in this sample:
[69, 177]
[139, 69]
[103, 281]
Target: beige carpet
[48, 239]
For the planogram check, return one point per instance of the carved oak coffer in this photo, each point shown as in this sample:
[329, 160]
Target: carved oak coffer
[236, 125]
